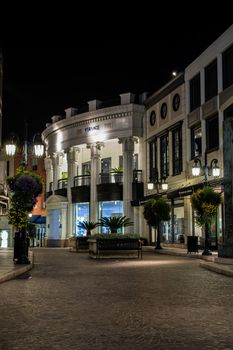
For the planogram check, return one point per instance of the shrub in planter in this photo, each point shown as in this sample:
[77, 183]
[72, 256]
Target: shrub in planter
[155, 211]
[205, 203]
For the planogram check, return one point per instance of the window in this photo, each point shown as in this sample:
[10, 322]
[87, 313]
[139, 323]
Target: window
[86, 168]
[177, 151]
[152, 159]
[8, 168]
[121, 162]
[34, 164]
[164, 157]
[135, 161]
[211, 82]
[105, 165]
[196, 139]
[81, 214]
[227, 67]
[163, 110]
[195, 93]
[212, 138]
[110, 209]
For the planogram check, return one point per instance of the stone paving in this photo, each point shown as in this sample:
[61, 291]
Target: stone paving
[73, 302]
[8, 269]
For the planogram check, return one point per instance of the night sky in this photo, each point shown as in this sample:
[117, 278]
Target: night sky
[41, 82]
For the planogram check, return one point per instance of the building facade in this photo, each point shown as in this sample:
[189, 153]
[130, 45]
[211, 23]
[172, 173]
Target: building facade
[82, 154]
[156, 141]
[209, 109]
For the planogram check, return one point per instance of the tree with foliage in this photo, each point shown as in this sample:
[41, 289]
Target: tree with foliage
[205, 202]
[115, 222]
[155, 211]
[25, 187]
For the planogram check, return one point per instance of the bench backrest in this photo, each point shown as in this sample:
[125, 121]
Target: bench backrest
[118, 244]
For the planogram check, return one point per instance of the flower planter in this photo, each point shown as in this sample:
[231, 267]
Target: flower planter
[115, 248]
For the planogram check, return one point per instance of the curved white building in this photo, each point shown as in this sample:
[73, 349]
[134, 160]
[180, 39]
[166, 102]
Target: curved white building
[81, 151]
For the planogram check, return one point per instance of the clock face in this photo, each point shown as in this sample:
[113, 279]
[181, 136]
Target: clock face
[152, 118]
[176, 102]
[163, 110]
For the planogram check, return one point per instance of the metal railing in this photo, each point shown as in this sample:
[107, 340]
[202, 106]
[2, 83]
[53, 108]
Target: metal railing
[62, 183]
[85, 180]
[82, 180]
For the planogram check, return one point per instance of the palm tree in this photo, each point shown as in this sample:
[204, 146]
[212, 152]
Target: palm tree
[115, 222]
[205, 202]
[88, 226]
[156, 211]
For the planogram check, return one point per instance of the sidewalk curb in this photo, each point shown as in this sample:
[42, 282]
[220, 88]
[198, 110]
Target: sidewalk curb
[210, 263]
[216, 268]
[18, 270]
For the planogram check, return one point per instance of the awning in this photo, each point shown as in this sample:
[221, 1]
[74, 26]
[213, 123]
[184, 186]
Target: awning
[37, 219]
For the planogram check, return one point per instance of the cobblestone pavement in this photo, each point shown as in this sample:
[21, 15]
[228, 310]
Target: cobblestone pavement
[73, 302]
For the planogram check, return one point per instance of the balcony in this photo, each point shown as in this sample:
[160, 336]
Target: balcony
[61, 187]
[81, 190]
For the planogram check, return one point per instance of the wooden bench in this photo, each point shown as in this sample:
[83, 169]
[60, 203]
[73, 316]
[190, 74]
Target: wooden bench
[118, 244]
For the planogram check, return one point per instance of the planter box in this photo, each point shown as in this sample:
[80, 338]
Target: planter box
[78, 244]
[115, 248]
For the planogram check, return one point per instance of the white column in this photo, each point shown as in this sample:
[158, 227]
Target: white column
[95, 170]
[57, 165]
[128, 151]
[69, 155]
[49, 172]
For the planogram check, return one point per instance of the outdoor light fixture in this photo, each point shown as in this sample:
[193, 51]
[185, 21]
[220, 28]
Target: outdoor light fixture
[154, 182]
[13, 142]
[213, 169]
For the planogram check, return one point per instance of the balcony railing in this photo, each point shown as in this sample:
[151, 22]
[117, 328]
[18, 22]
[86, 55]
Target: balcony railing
[82, 180]
[50, 187]
[62, 183]
[104, 178]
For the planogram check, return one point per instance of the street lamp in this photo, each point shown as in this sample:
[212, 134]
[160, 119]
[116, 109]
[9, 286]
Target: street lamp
[13, 142]
[207, 170]
[213, 169]
[154, 182]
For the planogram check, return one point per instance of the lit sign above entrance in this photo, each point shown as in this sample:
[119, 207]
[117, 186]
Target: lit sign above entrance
[91, 128]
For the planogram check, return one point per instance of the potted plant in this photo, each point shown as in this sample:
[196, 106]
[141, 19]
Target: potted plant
[118, 174]
[155, 211]
[115, 222]
[25, 186]
[205, 202]
[88, 226]
[82, 241]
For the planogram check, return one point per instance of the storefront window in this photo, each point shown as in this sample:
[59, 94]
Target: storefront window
[179, 224]
[81, 214]
[110, 209]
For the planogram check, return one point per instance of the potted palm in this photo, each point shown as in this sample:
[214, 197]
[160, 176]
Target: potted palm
[155, 211]
[114, 243]
[115, 222]
[82, 241]
[205, 203]
[118, 174]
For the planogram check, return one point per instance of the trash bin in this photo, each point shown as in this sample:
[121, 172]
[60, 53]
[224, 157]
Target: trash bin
[192, 244]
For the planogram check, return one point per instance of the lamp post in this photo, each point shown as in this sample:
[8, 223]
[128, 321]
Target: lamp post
[207, 170]
[154, 182]
[13, 142]
[25, 188]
